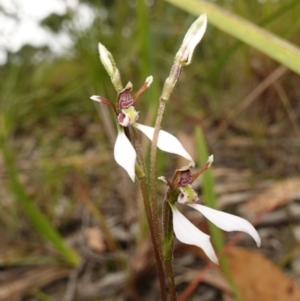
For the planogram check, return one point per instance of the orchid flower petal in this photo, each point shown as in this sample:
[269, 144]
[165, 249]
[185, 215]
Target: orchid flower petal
[166, 141]
[125, 154]
[227, 222]
[187, 233]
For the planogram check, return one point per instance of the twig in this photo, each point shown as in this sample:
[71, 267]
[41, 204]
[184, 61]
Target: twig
[251, 97]
[72, 283]
[285, 100]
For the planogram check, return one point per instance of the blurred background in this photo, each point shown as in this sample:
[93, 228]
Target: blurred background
[72, 223]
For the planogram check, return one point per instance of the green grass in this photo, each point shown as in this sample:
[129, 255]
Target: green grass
[210, 199]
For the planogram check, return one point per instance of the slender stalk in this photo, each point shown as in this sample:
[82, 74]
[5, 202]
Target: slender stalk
[153, 177]
[138, 146]
[168, 249]
[170, 277]
[166, 92]
[141, 174]
[159, 264]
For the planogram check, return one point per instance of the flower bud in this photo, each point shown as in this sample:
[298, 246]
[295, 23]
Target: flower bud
[191, 39]
[110, 66]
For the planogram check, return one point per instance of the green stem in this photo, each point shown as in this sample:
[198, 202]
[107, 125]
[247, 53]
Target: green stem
[166, 92]
[168, 249]
[153, 224]
[153, 172]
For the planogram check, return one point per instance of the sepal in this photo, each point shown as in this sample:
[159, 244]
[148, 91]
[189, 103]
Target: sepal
[189, 234]
[125, 154]
[166, 142]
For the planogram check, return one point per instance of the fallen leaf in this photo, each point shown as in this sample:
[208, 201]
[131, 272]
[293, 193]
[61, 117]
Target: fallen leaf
[279, 194]
[94, 239]
[213, 277]
[257, 278]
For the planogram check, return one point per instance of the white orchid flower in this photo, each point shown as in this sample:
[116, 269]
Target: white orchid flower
[185, 231]
[124, 152]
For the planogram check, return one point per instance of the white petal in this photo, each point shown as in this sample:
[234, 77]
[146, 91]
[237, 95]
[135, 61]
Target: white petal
[228, 222]
[125, 154]
[166, 141]
[187, 233]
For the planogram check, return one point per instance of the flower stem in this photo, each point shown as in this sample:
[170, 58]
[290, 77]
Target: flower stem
[166, 92]
[152, 220]
[165, 95]
[168, 249]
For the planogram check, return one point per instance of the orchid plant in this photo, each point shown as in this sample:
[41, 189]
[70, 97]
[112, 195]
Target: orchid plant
[128, 154]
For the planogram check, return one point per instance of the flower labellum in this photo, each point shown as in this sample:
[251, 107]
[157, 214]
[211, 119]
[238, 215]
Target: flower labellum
[188, 195]
[128, 116]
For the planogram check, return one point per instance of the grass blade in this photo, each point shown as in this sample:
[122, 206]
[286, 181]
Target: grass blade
[210, 199]
[38, 219]
[275, 47]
